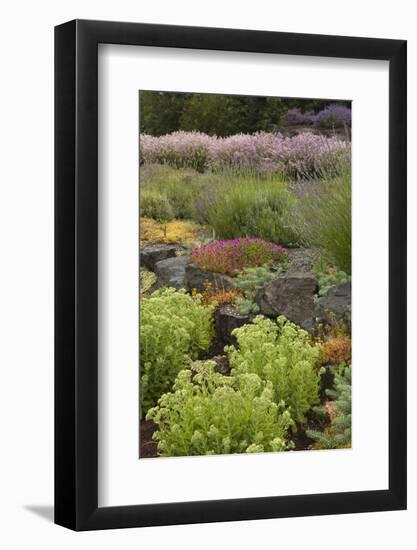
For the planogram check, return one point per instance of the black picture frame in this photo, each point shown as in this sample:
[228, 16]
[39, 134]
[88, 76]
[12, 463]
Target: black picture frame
[76, 272]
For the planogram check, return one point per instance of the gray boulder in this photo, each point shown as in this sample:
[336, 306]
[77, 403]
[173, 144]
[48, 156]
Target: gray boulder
[336, 304]
[198, 278]
[171, 272]
[289, 294]
[301, 260]
[337, 301]
[153, 253]
[226, 319]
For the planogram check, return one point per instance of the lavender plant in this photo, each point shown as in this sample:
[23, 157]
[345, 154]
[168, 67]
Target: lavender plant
[333, 116]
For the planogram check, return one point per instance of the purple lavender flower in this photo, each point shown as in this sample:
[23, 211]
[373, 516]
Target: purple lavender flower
[333, 116]
[295, 117]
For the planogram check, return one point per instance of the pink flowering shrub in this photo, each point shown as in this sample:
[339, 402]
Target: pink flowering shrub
[303, 155]
[179, 149]
[237, 254]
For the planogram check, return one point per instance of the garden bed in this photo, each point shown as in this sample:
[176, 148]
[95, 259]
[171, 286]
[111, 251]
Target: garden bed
[245, 286]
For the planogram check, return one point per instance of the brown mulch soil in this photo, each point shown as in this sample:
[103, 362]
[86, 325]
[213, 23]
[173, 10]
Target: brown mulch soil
[301, 441]
[148, 447]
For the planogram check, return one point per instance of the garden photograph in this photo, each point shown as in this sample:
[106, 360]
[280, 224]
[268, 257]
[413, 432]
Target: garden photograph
[244, 274]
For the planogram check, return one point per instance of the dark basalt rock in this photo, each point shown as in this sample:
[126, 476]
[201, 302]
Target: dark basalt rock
[327, 379]
[335, 305]
[290, 294]
[153, 253]
[197, 278]
[171, 272]
[226, 319]
[338, 300]
[222, 364]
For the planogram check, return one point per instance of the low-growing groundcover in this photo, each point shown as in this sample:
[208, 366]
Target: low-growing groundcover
[234, 255]
[245, 208]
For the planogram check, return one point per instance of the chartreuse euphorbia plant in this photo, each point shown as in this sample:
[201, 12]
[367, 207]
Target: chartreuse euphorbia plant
[211, 414]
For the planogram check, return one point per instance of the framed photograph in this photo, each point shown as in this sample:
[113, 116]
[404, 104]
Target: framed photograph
[230, 254]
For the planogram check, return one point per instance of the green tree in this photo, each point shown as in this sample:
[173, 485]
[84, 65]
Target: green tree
[217, 114]
[212, 114]
[160, 112]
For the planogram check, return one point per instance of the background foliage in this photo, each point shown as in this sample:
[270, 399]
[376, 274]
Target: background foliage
[221, 115]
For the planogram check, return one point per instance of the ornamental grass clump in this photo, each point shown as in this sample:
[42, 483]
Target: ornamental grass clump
[253, 206]
[282, 354]
[174, 328]
[324, 219]
[232, 255]
[156, 206]
[178, 186]
[210, 414]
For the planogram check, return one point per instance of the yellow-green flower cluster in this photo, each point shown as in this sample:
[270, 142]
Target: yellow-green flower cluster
[209, 414]
[282, 354]
[174, 328]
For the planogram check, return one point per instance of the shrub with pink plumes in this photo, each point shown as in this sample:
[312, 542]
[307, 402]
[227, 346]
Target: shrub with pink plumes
[179, 149]
[303, 155]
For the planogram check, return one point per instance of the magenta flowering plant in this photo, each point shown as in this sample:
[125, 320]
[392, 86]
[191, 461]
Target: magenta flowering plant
[228, 256]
